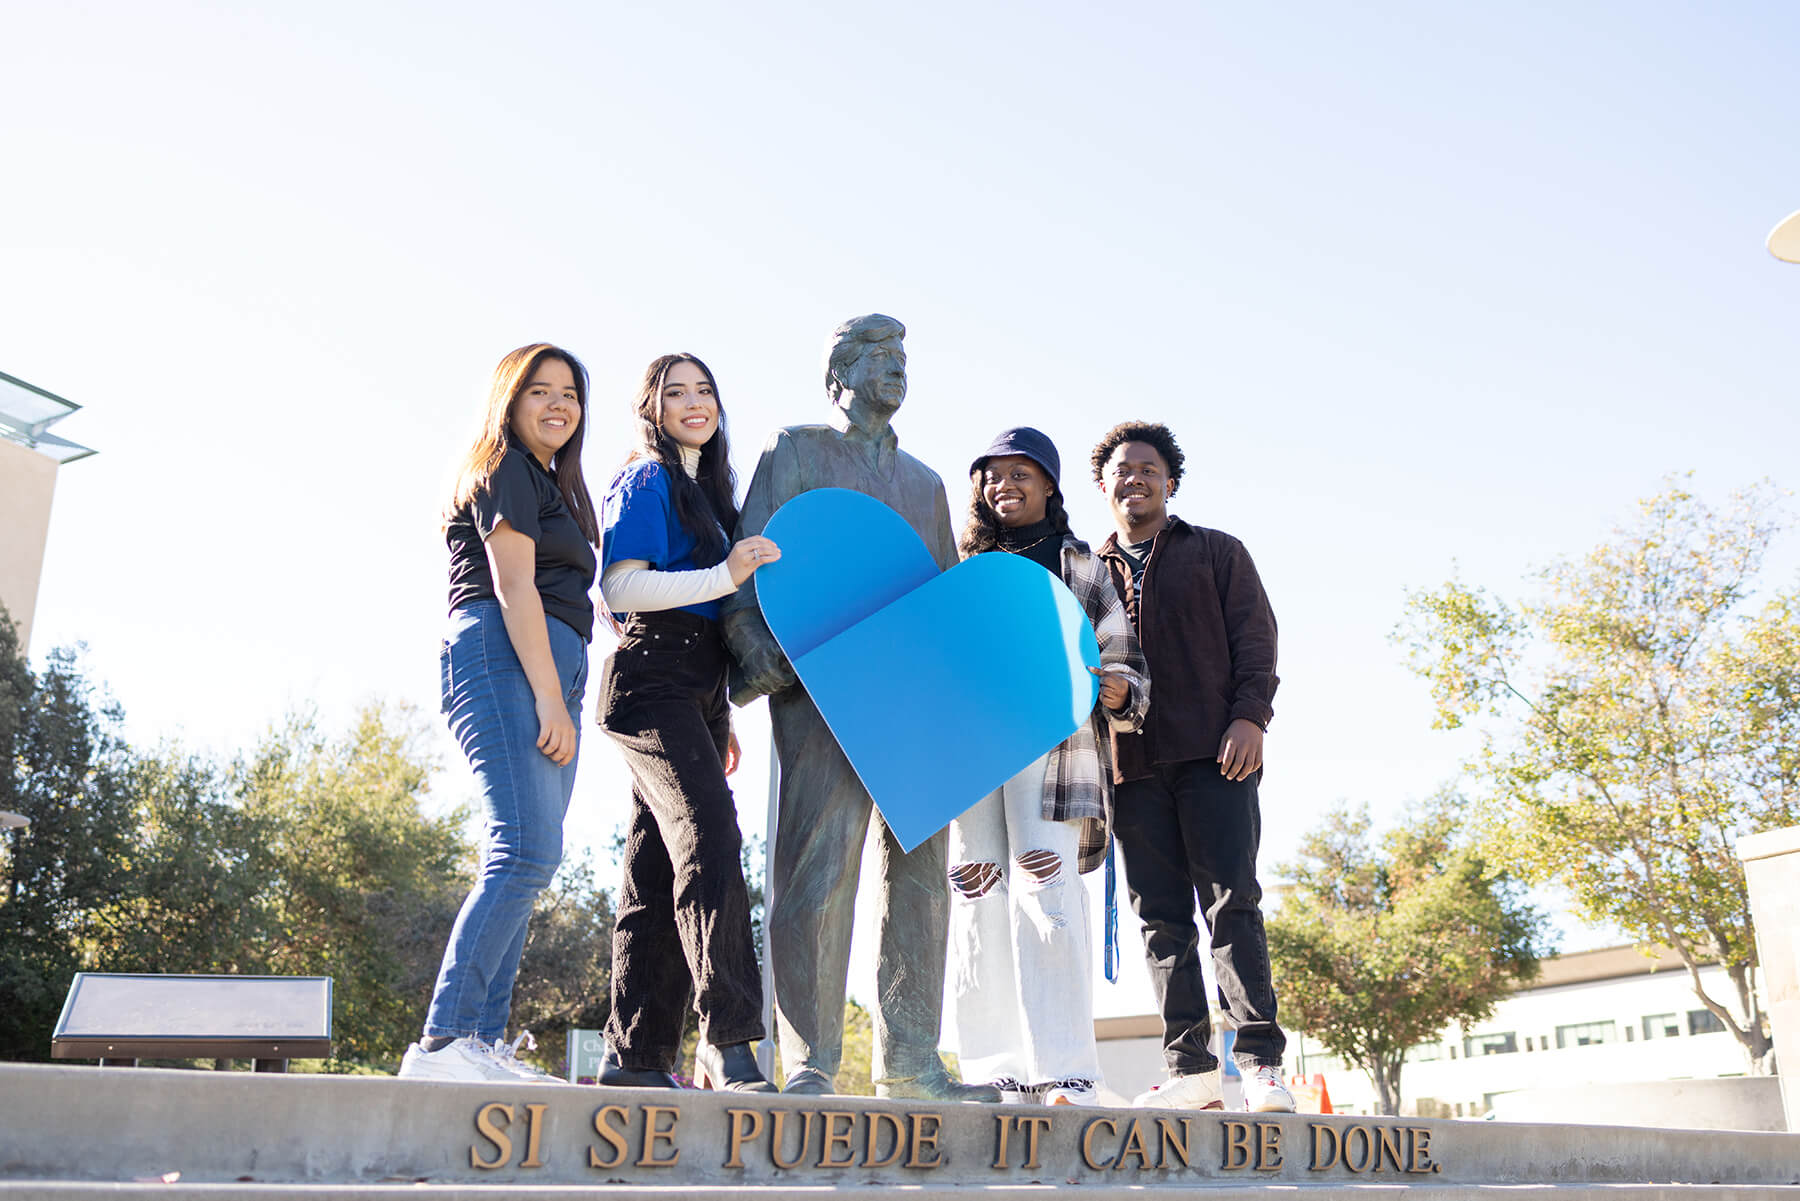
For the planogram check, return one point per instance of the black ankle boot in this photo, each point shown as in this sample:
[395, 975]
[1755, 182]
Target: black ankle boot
[729, 1069]
[616, 1075]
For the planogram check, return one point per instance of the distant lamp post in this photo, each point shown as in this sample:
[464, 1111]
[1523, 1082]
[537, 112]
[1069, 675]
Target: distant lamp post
[26, 414]
[1784, 239]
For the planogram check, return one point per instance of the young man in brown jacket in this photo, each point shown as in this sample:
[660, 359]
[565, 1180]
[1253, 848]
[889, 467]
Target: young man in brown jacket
[1187, 818]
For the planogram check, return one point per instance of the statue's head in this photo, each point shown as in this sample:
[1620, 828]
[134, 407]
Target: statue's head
[865, 357]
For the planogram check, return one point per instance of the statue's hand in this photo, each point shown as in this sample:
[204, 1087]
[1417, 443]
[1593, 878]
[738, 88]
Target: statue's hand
[766, 671]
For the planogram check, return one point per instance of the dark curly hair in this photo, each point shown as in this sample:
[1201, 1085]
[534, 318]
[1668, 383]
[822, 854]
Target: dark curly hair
[1155, 433]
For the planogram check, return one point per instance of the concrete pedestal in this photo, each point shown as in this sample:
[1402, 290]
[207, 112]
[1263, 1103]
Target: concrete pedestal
[1772, 869]
[81, 1132]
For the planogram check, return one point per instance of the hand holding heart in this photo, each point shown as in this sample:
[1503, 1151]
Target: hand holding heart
[749, 555]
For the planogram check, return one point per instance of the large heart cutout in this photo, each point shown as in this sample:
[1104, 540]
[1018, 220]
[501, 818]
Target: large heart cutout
[938, 687]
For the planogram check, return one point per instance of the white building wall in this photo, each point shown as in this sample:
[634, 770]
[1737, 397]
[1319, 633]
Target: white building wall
[1464, 1084]
[1468, 1082]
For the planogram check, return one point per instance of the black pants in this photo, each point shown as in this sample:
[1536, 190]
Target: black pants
[683, 926]
[1188, 830]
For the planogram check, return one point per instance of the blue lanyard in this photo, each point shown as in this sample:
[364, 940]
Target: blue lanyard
[1110, 956]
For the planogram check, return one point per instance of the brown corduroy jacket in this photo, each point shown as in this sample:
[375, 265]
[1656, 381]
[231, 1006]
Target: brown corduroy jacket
[1208, 634]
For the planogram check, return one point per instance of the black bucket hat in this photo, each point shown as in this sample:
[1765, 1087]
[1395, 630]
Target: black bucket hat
[1023, 440]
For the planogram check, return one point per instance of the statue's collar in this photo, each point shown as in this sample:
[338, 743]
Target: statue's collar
[880, 444]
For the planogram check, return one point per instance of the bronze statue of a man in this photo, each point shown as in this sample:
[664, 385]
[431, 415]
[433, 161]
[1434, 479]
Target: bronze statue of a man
[824, 811]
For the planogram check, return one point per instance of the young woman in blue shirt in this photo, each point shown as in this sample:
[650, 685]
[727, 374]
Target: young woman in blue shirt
[683, 922]
[521, 530]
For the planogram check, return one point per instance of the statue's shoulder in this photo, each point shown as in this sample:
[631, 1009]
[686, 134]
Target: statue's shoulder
[917, 468]
[819, 432]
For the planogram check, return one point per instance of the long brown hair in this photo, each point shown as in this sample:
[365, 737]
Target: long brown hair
[708, 501]
[493, 440]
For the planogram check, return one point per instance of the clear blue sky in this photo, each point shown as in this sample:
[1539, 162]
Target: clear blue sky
[1415, 284]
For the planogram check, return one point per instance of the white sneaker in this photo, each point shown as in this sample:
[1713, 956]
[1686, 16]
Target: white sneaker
[507, 1056]
[1264, 1091]
[1072, 1092]
[467, 1058]
[1201, 1090]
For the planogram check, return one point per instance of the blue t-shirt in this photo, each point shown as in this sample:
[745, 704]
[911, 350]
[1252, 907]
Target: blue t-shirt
[638, 522]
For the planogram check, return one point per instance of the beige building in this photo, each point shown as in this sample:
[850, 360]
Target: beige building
[1609, 1035]
[29, 458]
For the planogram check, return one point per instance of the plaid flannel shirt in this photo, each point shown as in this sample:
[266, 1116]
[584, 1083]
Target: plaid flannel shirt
[1078, 779]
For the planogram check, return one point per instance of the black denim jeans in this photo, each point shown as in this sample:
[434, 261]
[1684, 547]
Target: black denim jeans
[683, 925]
[1187, 831]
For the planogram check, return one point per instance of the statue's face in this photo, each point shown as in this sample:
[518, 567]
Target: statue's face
[878, 375]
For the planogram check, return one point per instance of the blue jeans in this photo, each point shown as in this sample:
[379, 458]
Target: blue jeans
[524, 796]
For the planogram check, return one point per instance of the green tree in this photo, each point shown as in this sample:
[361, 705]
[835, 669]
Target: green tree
[565, 975]
[361, 883]
[1379, 947]
[1637, 720]
[196, 897]
[67, 770]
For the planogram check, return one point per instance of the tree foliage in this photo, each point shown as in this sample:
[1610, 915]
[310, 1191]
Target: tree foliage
[1638, 719]
[1380, 946]
[67, 771]
[314, 854]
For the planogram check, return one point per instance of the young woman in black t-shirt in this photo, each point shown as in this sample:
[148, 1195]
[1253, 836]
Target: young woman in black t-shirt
[521, 531]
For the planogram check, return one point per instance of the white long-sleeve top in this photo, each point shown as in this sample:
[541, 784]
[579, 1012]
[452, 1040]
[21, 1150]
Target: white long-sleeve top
[633, 586]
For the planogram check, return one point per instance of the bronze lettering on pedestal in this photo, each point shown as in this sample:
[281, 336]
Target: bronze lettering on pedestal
[916, 1140]
[653, 1136]
[1133, 1145]
[832, 1138]
[1268, 1147]
[1323, 1134]
[1004, 1123]
[1087, 1143]
[921, 1140]
[1418, 1157]
[1032, 1128]
[746, 1124]
[1389, 1147]
[893, 1156]
[1168, 1142]
[1237, 1146]
[775, 1138]
[487, 1127]
[534, 1135]
[614, 1137]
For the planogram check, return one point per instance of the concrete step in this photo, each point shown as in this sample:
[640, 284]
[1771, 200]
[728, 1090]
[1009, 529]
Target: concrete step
[77, 1132]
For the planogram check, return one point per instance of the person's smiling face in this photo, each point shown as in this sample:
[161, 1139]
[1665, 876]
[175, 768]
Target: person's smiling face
[546, 410]
[1136, 483]
[1016, 489]
[690, 410]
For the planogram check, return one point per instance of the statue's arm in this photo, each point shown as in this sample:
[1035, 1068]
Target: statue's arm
[765, 668]
[943, 533]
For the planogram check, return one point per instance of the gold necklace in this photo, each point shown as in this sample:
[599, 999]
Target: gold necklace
[1009, 550]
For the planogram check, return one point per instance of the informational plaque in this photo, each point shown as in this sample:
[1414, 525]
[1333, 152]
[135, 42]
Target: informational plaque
[118, 1016]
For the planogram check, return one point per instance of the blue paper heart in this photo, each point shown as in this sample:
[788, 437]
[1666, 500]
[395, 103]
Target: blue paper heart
[938, 687]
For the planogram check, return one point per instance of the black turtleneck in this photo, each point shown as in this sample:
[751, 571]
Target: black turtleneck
[1040, 542]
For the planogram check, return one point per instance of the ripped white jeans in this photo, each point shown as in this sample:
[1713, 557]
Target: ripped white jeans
[1018, 996]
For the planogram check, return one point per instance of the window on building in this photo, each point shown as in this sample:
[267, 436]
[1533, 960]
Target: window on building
[1490, 1044]
[1426, 1052]
[1662, 1025]
[1702, 1021]
[1587, 1034]
[1528, 1045]
[1630, 1034]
